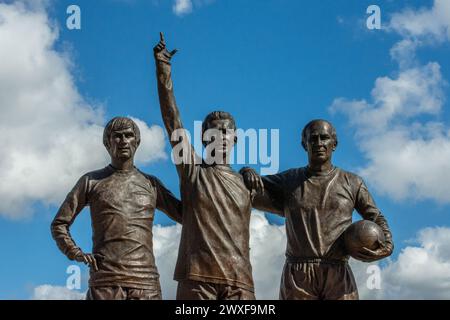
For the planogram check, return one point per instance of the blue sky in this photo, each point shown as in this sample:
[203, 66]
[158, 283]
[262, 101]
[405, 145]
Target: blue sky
[272, 64]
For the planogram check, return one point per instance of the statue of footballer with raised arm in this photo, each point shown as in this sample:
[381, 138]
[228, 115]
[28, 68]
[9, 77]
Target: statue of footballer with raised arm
[213, 259]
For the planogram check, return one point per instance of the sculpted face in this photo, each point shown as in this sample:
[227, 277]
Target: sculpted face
[122, 144]
[224, 131]
[320, 143]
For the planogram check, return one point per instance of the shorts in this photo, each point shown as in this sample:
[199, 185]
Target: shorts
[199, 290]
[318, 280]
[123, 293]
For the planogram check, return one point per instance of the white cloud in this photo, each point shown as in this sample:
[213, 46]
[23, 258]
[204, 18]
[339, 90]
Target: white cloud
[50, 134]
[420, 272]
[267, 243]
[49, 292]
[166, 241]
[182, 7]
[152, 143]
[267, 248]
[399, 131]
[185, 7]
[406, 158]
[425, 24]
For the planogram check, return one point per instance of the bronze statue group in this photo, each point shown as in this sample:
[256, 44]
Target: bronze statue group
[213, 262]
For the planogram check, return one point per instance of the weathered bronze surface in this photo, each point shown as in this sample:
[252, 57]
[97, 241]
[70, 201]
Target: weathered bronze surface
[213, 258]
[122, 201]
[317, 202]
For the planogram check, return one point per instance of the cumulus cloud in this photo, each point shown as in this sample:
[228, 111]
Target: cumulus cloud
[182, 7]
[49, 292]
[267, 243]
[166, 241]
[424, 24]
[420, 272]
[407, 155]
[51, 135]
[267, 248]
[185, 7]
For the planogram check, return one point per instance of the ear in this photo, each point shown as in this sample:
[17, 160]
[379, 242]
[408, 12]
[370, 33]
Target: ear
[335, 145]
[235, 139]
[304, 146]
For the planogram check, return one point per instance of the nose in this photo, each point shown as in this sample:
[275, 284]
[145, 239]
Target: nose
[316, 141]
[320, 142]
[123, 140]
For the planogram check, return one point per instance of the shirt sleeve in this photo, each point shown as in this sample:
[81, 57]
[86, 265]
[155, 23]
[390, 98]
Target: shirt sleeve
[75, 201]
[366, 207]
[167, 202]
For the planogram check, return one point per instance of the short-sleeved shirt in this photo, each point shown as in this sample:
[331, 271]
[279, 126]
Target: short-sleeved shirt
[318, 209]
[214, 244]
[122, 205]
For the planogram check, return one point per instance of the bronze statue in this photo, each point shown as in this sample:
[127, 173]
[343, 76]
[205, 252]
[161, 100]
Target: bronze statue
[213, 258]
[317, 202]
[122, 201]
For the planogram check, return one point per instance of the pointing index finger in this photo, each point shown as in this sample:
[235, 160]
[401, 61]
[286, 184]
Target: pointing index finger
[161, 36]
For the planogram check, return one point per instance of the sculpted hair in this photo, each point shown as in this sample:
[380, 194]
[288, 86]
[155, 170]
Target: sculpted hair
[309, 125]
[217, 115]
[120, 123]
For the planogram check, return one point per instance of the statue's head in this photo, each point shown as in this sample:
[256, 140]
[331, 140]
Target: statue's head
[219, 125]
[121, 138]
[319, 139]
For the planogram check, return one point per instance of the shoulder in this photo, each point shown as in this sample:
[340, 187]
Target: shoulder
[352, 178]
[288, 173]
[98, 174]
[285, 179]
[293, 173]
[154, 181]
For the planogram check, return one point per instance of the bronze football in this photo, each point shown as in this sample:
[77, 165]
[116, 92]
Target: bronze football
[363, 233]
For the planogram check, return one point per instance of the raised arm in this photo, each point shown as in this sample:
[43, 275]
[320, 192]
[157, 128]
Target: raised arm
[169, 108]
[60, 227]
[183, 152]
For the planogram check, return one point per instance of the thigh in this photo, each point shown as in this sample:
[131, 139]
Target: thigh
[340, 284]
[106, 293]
[299, 282]
[236, 293]
[153, 292]
[196, 290]
[144, 294]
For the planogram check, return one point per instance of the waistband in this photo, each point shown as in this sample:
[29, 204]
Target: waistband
[291, 259]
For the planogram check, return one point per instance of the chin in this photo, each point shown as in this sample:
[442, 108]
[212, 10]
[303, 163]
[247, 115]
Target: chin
[320, 159]
[123, 157]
